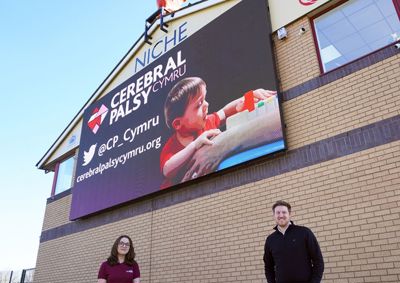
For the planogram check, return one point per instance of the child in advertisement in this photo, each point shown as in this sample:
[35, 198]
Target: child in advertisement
[186, 112]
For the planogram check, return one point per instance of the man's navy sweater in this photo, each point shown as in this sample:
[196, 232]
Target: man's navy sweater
[294, 257]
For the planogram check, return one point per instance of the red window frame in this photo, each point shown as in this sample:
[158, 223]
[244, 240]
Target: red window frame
[396, 4]
[53, 188]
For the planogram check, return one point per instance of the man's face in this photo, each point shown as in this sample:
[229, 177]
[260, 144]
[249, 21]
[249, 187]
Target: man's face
[196, 112]
[281, 216]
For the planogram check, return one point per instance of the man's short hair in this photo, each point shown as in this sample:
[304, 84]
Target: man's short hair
[179, 96]
[281, 203]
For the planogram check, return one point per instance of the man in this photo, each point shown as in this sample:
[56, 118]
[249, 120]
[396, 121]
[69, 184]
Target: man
[291, 253]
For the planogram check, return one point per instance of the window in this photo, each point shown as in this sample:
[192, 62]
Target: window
[63, 175]
[354, 29]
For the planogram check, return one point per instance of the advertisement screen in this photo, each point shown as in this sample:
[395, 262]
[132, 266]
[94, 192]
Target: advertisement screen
[205, 101]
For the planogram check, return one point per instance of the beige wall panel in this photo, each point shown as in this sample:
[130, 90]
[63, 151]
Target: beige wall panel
[351, 203]
[285, 11]
[71, 142]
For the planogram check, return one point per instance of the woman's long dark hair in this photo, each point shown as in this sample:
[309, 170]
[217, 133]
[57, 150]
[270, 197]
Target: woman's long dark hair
[129, 257]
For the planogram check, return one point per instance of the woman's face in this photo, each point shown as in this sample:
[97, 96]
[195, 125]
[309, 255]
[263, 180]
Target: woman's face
[123, 246]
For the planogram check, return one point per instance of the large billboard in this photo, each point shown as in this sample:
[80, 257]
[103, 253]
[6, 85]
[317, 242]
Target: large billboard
[205, 102]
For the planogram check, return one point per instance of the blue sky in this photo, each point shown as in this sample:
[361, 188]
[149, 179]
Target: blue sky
[53, 56]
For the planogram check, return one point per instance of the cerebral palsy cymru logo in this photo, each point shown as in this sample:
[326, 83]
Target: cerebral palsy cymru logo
[97, 118]
[307, 2]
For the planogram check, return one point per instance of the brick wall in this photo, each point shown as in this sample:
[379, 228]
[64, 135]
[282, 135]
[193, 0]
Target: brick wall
[77, 257]
[297, 59]
[351, 203]
[57, 213]
[362, 98]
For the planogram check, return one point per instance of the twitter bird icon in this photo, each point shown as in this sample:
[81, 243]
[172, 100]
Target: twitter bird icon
[88, 156]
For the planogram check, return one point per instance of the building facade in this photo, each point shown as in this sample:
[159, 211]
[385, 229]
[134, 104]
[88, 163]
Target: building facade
[338, 66]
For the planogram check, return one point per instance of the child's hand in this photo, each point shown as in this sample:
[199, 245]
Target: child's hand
[258, 95]
[205, 138]
[261, 94]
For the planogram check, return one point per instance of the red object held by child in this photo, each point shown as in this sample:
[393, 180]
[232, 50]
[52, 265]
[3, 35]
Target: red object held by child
[249, 101]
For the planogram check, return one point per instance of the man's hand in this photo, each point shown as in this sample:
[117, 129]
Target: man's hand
[262, 130]
[206, 159]
[205, 138]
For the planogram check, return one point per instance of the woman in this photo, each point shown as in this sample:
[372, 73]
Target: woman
[120, 266]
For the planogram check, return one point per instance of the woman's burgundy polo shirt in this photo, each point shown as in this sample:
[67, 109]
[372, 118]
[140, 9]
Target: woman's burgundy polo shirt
[119, 273]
